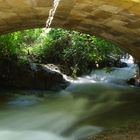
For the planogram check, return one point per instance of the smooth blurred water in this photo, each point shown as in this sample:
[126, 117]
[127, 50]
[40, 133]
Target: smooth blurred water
[87, 107]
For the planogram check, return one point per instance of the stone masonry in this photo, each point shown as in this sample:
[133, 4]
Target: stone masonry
[115, 20]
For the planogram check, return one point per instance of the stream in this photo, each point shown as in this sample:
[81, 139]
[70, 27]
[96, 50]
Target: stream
[90, 105]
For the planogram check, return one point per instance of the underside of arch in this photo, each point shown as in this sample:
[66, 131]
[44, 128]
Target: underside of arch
[115, 20]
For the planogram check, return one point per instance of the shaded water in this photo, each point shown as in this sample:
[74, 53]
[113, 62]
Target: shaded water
[83, 109]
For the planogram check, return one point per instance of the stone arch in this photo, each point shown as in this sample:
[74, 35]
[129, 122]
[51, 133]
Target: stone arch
[118, 21]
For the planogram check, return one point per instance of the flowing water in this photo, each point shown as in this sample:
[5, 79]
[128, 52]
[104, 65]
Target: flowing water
[52, 13]
[50, 18]
[87, 107]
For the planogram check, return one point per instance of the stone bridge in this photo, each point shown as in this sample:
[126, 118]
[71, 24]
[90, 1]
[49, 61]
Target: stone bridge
[115, 20]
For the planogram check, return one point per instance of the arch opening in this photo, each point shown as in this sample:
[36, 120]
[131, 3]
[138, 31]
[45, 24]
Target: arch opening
[75, 50]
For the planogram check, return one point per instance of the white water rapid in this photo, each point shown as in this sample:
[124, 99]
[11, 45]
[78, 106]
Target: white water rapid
[112, 75]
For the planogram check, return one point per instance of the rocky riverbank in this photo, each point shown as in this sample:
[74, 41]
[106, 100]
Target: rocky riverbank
[131, 131]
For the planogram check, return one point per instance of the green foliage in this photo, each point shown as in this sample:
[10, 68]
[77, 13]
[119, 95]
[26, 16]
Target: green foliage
[74, 50]
[10, 45]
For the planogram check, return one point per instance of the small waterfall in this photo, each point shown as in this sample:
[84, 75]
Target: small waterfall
[116, 75]
[52, 13]
[49, 20]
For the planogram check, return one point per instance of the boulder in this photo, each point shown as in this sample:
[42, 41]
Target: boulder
[133, 81]
[31, 76]
[121, 64]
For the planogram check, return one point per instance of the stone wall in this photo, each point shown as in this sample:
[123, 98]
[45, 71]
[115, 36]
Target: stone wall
[115, 20]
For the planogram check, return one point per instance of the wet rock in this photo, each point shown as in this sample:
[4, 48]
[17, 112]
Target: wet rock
[121, 64]
[31, 76]
[133, 81]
